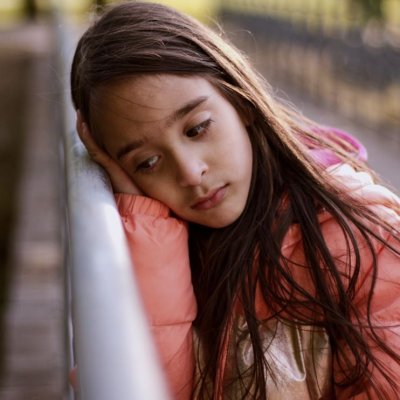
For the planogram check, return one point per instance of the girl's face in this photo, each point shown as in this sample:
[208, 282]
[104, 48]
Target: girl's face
[181, 142]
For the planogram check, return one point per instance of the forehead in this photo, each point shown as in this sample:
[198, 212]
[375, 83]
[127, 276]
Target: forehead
[139, 108]
[147, 99]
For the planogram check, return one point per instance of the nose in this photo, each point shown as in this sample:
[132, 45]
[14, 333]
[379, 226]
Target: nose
[190, 170]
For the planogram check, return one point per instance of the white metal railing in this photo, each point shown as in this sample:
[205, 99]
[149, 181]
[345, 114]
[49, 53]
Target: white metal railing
[113, 346]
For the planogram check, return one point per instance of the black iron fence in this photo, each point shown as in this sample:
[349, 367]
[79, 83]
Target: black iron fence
[345, 53]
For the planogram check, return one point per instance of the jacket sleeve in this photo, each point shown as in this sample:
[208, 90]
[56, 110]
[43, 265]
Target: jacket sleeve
[385, 318]
[385, 303]
[159, 251]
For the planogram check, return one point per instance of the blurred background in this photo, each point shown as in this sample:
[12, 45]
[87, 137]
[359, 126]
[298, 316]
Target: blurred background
[337, 61]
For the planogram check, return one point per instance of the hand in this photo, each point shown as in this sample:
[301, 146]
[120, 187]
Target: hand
[120, 180]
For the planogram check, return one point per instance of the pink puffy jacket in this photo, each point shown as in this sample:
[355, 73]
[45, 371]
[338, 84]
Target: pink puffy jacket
[158, 245]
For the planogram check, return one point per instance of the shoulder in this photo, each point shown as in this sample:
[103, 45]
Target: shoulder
[363, 257]
[361, 186]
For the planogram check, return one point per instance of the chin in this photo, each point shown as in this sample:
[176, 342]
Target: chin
[219, 222]
[215, 224]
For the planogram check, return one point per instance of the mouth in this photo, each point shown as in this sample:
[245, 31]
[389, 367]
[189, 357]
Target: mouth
[211, 200]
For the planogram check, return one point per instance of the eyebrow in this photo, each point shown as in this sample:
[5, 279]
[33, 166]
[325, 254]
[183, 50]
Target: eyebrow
[185, 109]
[171, 119]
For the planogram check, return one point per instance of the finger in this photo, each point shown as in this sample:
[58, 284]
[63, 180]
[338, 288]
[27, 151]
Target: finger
[94, 150]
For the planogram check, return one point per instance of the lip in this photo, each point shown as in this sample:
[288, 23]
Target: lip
[214, 198]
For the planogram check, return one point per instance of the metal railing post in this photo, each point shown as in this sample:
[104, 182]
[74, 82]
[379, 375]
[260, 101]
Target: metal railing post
[113, 345]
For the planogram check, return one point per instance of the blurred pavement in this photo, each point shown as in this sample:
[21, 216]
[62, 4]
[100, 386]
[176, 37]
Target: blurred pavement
[33, 357]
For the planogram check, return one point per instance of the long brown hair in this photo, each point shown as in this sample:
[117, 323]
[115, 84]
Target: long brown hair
[287, 188]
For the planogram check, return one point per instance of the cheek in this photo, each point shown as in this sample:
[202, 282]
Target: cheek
[151, 185]
[158, 189]
[244, 153]
[249, 156]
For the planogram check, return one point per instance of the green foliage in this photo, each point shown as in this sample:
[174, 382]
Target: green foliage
[370, 9]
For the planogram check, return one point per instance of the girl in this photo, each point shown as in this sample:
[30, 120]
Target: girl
[293, 286]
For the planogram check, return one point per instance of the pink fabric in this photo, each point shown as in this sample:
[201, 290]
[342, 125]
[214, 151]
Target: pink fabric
[327, 158]
[159, 251]
[158, 245]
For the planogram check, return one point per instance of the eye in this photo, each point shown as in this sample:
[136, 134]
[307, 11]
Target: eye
[148, 165]
[199, 129]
